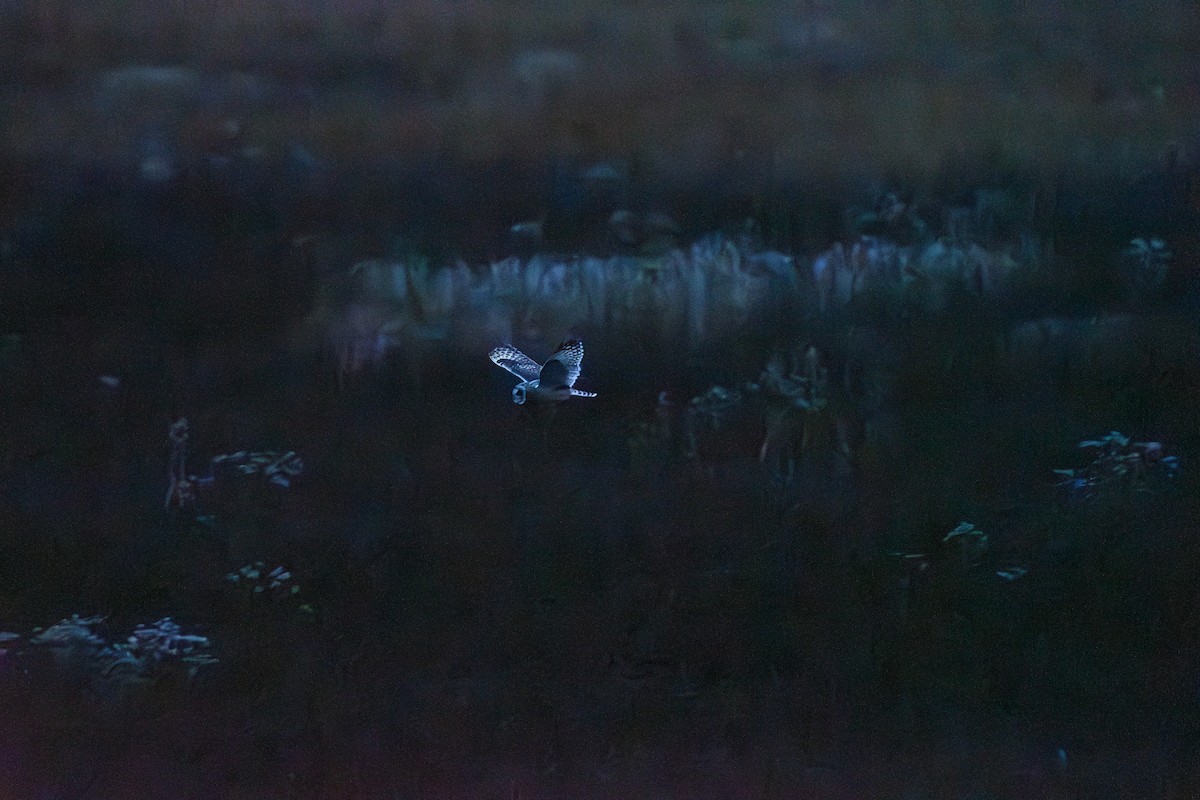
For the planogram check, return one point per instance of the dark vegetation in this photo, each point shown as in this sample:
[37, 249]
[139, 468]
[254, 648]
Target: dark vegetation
[848, 276]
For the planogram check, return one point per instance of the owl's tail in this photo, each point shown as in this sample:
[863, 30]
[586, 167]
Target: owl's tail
[580, 393]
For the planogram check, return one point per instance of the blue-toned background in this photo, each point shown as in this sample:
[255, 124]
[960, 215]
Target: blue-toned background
[893, 311]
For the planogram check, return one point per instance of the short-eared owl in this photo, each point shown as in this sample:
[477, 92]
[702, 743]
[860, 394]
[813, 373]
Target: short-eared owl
[554, 381]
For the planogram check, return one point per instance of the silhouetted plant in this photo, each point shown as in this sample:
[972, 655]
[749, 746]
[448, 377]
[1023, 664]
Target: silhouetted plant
[970, 542]
[279, 469]
[794, 389]
[709, 413]
[1147, 262]
[180, 486]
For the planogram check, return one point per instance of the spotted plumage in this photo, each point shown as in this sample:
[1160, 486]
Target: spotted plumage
[553, 381]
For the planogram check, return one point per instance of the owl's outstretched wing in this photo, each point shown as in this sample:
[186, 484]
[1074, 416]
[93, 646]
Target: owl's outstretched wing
[515, 362]
[570, 355]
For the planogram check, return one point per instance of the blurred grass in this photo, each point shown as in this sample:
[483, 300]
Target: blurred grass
[824, 89]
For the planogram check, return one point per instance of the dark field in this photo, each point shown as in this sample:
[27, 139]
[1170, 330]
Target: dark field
[856, 282]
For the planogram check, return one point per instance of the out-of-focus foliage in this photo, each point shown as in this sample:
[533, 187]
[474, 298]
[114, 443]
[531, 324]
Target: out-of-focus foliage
[257, 581]
[1147, 261]
[81, 650]
[828, 87]
[1118, 463]
[277, 468]
[713, 289]
[970, 542]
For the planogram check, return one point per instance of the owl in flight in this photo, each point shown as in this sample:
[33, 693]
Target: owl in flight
[553, 381]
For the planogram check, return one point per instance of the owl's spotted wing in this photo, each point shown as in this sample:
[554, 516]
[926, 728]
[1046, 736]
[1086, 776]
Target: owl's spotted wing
[515, 362]
[569, 355]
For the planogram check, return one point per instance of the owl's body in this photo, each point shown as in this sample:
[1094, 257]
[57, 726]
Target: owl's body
[552, 382]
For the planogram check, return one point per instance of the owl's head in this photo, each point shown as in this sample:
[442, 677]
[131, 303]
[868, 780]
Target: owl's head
[518, 394]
